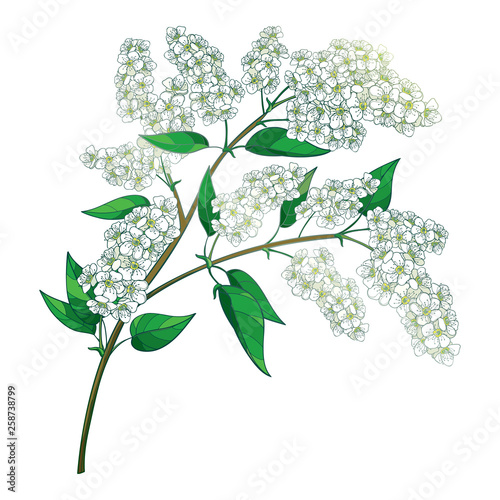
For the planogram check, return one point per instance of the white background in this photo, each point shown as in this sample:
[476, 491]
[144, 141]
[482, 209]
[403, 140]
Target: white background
[366, 420]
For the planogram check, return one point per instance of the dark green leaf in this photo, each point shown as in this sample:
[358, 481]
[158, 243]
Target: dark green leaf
[243, 280]
[151, 332]
[77, 298]
[382, 197]
[178, 142]
[273, 141]
[245, 316]
[205, 208]
[65, 314]
[119, 208]
[288, 217]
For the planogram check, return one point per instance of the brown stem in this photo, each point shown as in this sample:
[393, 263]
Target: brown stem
[93, 395]
[184, 221]
[252, 250]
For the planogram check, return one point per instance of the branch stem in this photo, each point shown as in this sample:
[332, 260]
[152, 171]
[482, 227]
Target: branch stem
[184, 220]
[248, 251]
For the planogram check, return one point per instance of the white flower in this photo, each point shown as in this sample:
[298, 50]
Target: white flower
[135, 291]
[89, 157]
[114, 233]
[130, 63]
[324, 256]
[263, 190]
[135, 270]
[109, 285]
[220, 227]
[254, 81]
[368, 272]
[236, 235]
[400, 300]
[446, 356]
[155, 222]
[290, 275]
[423, 231]
[419, 347]
[339, 299]
[101, 306]
[348, 319]
[385, 98]
[128, 110]
[88, 277]
[328, 218]
[139, 180]
[141, 84]
[233, 213]
[378, 219]
[168, 207]
[124, 310]
[434, 336]
[318, 199]
[381, 291]
[431, 115]
[108, 156]
[426, 309]
[110, 259]
[314, 270]
[134, 242]
[397, 268]
[303, 210]
[305, 289]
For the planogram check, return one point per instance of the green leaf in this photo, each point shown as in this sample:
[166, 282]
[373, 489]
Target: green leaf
[205, 209]
[288, 217]
[382, 197]
[273, 141]
[243, 280]
[178, 142]
[245, 316]
[77, 298]
[65, 314]
[100, 350]
[151, 332]
[119, 208]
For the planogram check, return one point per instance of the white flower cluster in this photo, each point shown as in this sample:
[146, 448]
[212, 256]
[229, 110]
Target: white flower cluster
[213, 92]
[315, 278]
[262, 64]
[242, 211]
[128, 166]
[394, 276]
[118, 278]
[134, 80]
[136, 97]
[337, 201]
[337, 88]
[136, 166]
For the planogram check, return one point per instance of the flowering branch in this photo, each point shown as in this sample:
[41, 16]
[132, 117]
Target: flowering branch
[332, 92]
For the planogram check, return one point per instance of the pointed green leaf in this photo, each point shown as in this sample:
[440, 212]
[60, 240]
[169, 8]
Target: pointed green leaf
[77, 298]
[243, 280]
[245, 316]
[63, 312]
[151, 332]
[273, 141]
[178, 142]
[119, 208]
[288, 217]
[205, 209]
[382, 197]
